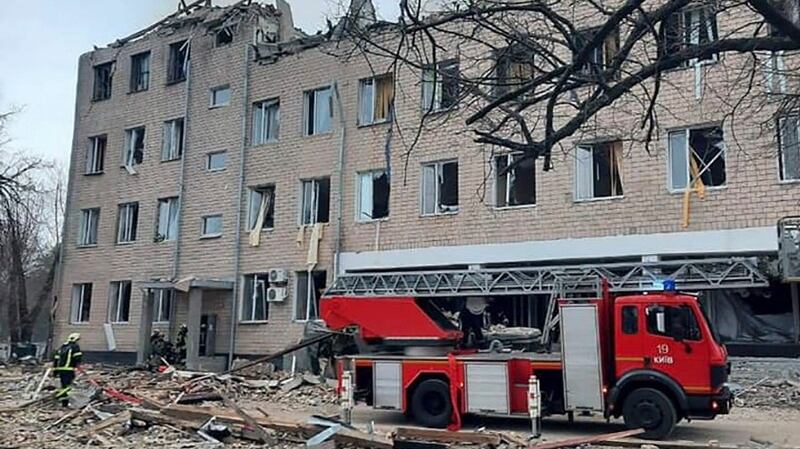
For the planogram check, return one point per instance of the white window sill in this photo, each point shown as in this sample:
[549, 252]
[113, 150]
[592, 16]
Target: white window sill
[321, 134]
[119, 323]
[253, 322]
[210, 236]
[789, 182]
[370, 220]
[270, 142]
[707, 188]
[375, 123]
[598, 199]
[519, 206]
[311, 225]
[217, 106]
[215, 170]
[87, 245]
[94, 173]
[439, 214]
[164, 241]
[171, 160]
[80, 323]
[160, 323]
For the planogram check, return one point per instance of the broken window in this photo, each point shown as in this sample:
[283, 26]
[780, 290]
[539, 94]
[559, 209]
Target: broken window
[133, 152]
[178, 62]
[224, 36]
[692, 26]
[254, 302]
[162, 304]
[440, 86]
[220, 96]
[376, 99]
[373, 195]
[212, 226]
[266, 121]
[167, 219]
[696, 156]
[261, 210]
[81, 303]
[598, 170]
[309, 290]
[515, 180]
[216, 161]
[440, 188]
[514, 68]
[172, 140]
[789, 147]
[96, 155]
[140, 72]
[103, 74]
[315, 201]
[90, 221]
[127, 222]
[119, 302]
[600, 56]
[318, 107]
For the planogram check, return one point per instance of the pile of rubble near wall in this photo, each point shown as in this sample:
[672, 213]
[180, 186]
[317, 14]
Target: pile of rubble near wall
[766, 383]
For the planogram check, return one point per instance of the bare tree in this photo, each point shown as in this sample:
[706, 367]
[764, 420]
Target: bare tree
[534, 73]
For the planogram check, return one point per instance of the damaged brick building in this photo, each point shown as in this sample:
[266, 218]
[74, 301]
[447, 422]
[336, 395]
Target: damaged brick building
[226, 167]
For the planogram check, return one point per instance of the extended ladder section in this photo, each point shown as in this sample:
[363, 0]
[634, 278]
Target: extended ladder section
[689, 275]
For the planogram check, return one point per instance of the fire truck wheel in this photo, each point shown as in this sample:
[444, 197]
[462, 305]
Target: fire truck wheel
[430, 404]
[652, 410]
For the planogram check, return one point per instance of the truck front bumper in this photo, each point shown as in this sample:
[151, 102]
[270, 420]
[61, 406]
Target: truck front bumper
[707, 407]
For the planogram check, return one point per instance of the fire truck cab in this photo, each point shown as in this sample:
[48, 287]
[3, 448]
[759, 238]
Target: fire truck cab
[649, 358]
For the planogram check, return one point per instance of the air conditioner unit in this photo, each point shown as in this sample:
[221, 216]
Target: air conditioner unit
[278, 276]
[276, 294]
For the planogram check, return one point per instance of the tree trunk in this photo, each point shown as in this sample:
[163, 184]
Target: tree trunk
[42, 299]
[18, 290]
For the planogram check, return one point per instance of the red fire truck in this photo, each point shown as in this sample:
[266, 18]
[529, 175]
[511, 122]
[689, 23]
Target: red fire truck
[650, 358]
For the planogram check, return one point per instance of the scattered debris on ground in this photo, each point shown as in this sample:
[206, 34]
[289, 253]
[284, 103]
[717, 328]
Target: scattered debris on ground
[766, 383]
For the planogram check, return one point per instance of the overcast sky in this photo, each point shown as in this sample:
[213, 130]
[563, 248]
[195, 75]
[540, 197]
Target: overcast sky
[40, 41]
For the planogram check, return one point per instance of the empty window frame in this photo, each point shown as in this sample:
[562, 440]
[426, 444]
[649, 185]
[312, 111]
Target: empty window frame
[212, 226]
[373, 195]
[598, 170]
[376, 99]
[515, 180]
[630, 320]
[172, 140]
[440, 86]
[514, 67]
[90, 221]
[178, 62]
[309, 290]
[315, 201]
[216, 161]
[224, 36]
[696, 155]
[96, 155]
[440, 188]
[81, 304]
[789, 147]
[696, 25]
[119, 302]
[266, 121]
[600, 57]
[255, 307]
[127, 222]
[220, 96]
[103, 75]
[261, 208]
[133, 151]
[318, 111]
[162, 304]
[140, 72]
[167, 227]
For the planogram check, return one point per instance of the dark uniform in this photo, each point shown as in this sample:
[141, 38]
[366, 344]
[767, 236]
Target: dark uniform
[67, 359]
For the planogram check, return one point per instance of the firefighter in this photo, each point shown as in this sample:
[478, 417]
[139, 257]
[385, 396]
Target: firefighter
[471, 318]
[66, 361]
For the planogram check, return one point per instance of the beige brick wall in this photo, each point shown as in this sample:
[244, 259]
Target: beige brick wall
[753, 195]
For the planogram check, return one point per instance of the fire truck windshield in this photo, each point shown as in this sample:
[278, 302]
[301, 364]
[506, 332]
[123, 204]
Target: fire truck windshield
[709, 323]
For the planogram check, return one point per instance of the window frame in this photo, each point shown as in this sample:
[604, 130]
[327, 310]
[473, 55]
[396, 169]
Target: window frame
[90, 216]
[310, 279]
[214, 91]
[159, 237]
[359, 217]
[102, 88]
[782, 178]
[176, 130]
[158, 296]
[115, 291]
[626, 330]
[682, 41]
[231, 31]
[509, 174]
[177, 71]
[129, 146]
[687, 140]
[308, 129]
[373, 83]
[591, 147]
[209, 157]
[132, 232]
[140, 79]
[438, 169]
[315, 203]
[204, 230]
[81, 289]
[436, 86]
[92, 151]
[263, 281]
[265, 136]
[260, 189]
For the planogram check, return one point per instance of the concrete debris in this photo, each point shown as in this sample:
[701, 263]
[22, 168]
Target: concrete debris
[765, 383]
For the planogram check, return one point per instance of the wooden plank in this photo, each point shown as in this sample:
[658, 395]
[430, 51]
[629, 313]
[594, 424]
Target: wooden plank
[444, 436]
[602, 438]
[260, 431]
[635, 442]
[119, 418]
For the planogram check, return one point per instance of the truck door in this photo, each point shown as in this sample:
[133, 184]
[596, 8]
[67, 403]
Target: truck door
[673, 344]
[628, 338]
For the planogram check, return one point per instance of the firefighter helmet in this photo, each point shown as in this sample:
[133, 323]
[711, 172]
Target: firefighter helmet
[73, 337]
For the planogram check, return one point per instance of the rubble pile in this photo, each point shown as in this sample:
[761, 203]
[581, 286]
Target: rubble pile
[766, 383]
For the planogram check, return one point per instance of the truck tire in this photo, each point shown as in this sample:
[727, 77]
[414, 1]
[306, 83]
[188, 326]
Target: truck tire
[430, 404]
[652, 410]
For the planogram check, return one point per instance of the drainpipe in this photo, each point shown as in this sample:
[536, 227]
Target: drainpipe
[176, 252]
[340, 176]
[238, 234]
